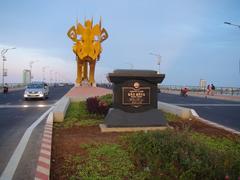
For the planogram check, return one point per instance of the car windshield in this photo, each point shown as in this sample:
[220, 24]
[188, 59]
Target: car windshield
[35, 86]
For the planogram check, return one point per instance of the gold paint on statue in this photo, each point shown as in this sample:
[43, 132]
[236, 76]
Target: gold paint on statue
[87, 47]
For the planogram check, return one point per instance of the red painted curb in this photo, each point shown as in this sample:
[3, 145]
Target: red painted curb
[44, 159]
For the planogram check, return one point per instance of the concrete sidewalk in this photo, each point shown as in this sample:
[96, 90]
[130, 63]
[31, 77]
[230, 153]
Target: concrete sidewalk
[201, 94]
[76, 94]
[82, 93]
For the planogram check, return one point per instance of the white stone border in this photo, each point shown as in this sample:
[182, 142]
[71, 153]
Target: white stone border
[187, 113]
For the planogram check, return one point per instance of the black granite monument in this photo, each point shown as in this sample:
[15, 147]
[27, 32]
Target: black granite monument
[135, 99]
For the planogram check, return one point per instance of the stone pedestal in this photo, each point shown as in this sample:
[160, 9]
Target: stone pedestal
[135, 99]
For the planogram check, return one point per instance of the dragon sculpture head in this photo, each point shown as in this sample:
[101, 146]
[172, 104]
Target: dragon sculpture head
[87, 40]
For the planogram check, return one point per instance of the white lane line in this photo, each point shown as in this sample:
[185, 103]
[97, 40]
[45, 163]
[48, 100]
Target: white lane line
[14, 160]
[25, 106]
[214, 105]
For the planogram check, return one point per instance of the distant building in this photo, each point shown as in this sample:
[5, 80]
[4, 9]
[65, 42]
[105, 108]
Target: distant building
[26, 76]
[203, 84]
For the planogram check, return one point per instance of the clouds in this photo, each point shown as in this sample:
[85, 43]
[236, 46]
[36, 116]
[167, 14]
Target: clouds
[20, 58]
[189, 35]
[55, 67]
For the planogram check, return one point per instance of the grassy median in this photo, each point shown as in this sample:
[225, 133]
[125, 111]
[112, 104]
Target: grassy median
[179, 153]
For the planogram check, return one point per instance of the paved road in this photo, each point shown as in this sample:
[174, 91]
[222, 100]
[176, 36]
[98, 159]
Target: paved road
[16, 115]
[226, 113]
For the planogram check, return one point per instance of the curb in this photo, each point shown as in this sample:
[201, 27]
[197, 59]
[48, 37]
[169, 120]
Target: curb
[184, 113]
[105, 129]
[210, 123]
[60, 109]
[219, 126]
[215, 97]
[44, 159]
[187, 113]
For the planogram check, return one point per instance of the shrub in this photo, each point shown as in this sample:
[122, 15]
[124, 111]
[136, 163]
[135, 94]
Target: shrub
[107, 99]
[92, 104]
[96, 106]
[175, 155]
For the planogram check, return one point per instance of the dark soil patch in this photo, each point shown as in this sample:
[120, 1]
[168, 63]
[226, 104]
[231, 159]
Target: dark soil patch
[67, 141]
[198, 126]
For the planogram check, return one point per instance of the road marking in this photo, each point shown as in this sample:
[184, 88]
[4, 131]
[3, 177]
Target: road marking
[214, 105]
[14, 160]
[25, 106]
[12, 165]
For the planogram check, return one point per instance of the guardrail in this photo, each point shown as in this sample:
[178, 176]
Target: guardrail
[105, 85]
[231, 91]
[14, 85]
[21, 85]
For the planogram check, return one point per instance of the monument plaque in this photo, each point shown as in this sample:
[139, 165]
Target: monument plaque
[136, 96]
[134, 99]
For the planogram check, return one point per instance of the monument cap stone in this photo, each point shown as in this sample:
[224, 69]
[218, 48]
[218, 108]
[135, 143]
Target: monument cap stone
[120, 75]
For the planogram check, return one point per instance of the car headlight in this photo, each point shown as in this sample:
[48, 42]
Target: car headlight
[40, 92]
[25, 92]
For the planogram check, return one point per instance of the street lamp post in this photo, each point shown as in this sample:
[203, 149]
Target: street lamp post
[43, 71]
[30, 65]
[236, 25]
[231, 24]
[158, 60]
[50, 76]
[56, 77]
[239, 66]
[130, 64]
[4, 71]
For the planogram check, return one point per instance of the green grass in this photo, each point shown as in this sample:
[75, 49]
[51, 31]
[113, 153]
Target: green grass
[220, 144]
[185, 155]
[77, 115]
[104, 161]
[170, 117]
[158, 155]
[165, 154]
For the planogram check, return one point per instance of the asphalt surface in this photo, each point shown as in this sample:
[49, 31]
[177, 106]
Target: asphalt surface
[223, 112]
[16, 115]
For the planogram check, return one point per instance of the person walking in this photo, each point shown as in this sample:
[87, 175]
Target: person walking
[5, 88]
[208, 89]
[212, 89]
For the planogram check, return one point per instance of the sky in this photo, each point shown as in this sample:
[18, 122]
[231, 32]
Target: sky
[190, 35]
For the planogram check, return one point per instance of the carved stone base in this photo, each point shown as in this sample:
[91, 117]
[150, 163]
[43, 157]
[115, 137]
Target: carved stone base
[119, 118]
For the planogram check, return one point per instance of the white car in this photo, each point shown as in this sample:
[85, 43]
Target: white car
[60, 84]
[36, 90]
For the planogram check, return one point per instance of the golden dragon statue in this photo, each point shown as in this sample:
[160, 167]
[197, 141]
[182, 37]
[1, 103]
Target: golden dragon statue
[87, 40]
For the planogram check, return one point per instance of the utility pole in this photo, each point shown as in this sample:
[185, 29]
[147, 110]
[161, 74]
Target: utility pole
[239, 66]
[30, 65]
[231, 24]
[50, 76]
[236, 25]
[43, 71]
[130, 64]
[56, 74]
[4, 71]
[159, 57]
